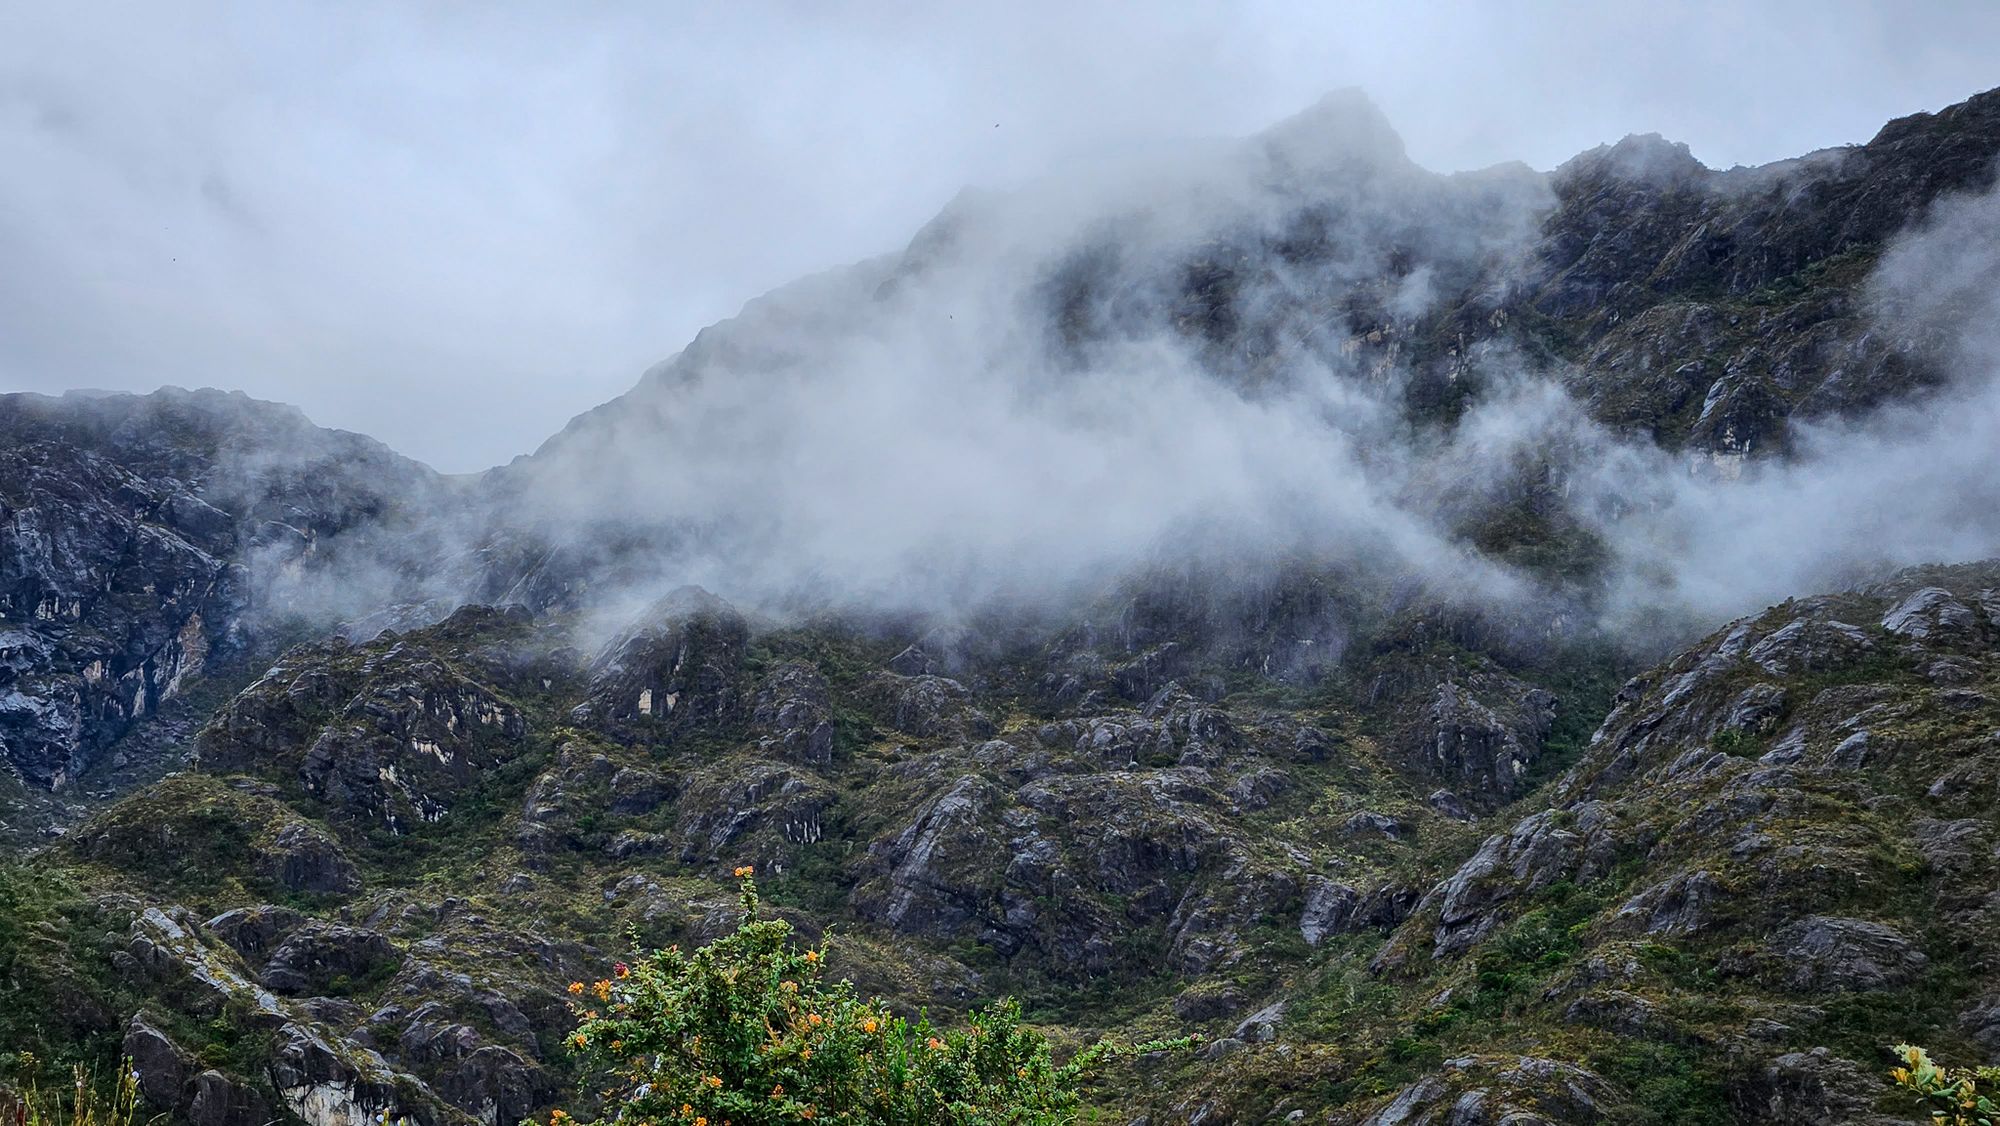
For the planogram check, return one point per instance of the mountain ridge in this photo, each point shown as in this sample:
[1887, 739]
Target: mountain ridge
[1268, 646]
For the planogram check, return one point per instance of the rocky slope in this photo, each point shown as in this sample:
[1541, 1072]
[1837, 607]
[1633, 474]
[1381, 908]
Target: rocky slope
[1777, 855]
[1341, 814]
[129, 530]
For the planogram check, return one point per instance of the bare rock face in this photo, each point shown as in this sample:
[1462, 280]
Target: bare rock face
[220, 1100]
[254, 932]
[1930, 613]
[1825, 954]
[760, 812]
[390, 731]
[940, 865]
[103, 613]
[1501, 1091]
[1538, 852]
[307, 859]
[124, 521]
[312, 958]
[1684, 904]
[794, 711]
[1480, 736]
[162, 1067]
[1814, 1086]
[929, 707]
[679, 670]
[436, 1046]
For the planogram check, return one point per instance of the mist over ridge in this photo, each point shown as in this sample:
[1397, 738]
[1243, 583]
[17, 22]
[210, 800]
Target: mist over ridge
[1496, 645]
[1300, 350]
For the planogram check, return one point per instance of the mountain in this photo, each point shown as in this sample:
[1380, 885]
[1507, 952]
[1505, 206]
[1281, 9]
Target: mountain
[129, 530]
[1194, 599]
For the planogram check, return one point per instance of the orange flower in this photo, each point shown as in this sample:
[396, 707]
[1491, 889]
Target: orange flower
[603, 990]
[712, 1080]
[686, 1110]
[812, 955]
[579, 1040]
[813, 1019]
[868, 1025]
[807, 1054]
[778, 1091]
[620, 969]
[701, 1120]
[933, 1043]
[575, 987]
[746, 870]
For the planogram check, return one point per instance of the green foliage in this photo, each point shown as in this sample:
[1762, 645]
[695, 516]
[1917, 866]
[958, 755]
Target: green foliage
[1672, 1084]
[84, 1102]
[1735, 741]
[50, 975]
[1526, 952]
[1953, 1097]
[745, 1032]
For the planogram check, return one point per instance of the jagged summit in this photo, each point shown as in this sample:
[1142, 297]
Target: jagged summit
[1645, 157]
[1345, 130]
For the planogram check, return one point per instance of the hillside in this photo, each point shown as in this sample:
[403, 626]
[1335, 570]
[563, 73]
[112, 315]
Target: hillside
[1202, 610]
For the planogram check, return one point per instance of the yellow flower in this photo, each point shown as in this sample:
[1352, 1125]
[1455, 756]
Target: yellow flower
[1022, 1072]
[789, 986]
[701, 1121]
[686, 1110]
[603, 990]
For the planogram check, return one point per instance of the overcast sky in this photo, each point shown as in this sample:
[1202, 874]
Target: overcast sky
[452, 226]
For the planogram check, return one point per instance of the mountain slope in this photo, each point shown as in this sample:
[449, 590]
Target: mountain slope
[1185, 606]
[133, 531]
[1777, 856]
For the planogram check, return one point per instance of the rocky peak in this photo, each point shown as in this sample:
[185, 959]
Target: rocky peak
[1641, 158]
[1343, 133]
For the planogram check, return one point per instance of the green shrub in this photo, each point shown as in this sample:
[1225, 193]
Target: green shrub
[746, 1032]
[1732, 741]
[1951, 1098]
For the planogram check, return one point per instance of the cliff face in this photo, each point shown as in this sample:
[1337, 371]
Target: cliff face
[128, 526]
[1334, 800]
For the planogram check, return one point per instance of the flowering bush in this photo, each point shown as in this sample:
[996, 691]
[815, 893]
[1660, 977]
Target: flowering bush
[1952, 1098]
[745, 1032]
